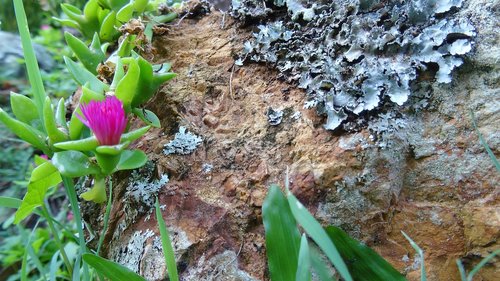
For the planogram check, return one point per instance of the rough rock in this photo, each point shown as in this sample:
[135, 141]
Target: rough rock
[427, 174]
[11, 52]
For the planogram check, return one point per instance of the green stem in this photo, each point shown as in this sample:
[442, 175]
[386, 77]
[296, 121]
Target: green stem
[70, 190]
[106, 216]
[46, 214]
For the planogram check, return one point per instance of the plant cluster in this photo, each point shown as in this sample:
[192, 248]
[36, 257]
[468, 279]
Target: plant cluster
[94, 141]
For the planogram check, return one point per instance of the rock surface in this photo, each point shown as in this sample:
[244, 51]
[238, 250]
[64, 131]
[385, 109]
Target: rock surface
[431, 178]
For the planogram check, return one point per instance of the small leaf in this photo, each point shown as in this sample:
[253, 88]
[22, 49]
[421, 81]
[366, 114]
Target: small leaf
[133, 135]
[304, 262]
[131, 159]
[147, 117]
[125, 13]
[23, 108]
[366, 263]
[108, 31]
[49, 120]
[312, 227]
[112, 149]
[110, 269]
[42, 178]
[282, 236]
[74, 164]
[97, 193]
[9, 202]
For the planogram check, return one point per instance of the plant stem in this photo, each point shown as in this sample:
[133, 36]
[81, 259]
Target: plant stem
[46, 214]
[71, 192]
[106, 216]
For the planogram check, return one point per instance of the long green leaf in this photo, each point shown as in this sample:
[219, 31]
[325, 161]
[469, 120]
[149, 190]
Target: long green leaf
[42, 178]
[312, 227]
[319, 266]
[25, 131]
[166, 243]
[282, 236]
[29, 56]
[482, 263]
[363, 262]
[111, 270]
[304, 264]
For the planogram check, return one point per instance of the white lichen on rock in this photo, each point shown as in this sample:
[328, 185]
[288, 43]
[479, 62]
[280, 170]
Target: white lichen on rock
[183, 143]
[358, 56]
[130, 255]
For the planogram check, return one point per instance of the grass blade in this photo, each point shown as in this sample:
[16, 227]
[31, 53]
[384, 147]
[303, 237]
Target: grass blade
[304, 263]
[54, 266]
[282, 236]
[9, 202]
[312, 227]
[29, 57]
[319, 266]
[363, 262]
[485, 145]
[166, 243]
[420, 252]
[111, 270]
[461, 269]
[106, 216]
[481, 264]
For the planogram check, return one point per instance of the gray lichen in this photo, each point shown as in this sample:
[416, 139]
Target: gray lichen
[354, 57]
[130, 255]
[274, 116]
[184, 143]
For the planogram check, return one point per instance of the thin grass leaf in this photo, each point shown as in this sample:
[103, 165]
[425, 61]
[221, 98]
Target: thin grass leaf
[461, 269]
[312, 227]
[106, 217]
[282, 236]
[111, 270]
[420, 252]
[166, 243]
[54, 266]
[485, 145]
[304, 262]
[363, 262]
[76, 268]
[481, 264]
[29, 57]
[36, 261]
[24, 263]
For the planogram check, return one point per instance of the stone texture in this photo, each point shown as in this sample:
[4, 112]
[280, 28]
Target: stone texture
[431, 179]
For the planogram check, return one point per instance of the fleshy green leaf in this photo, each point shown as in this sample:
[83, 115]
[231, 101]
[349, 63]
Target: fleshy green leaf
[166, 242]
[365, 263]
[89, 57]
[133, 135]
[86, 144]
[112, 149]
[24, 131]
[74, 164]
[282, 236]
[126, 88]
[125, 13]
[108, 31]
[147, 117]
[132, 159]
[49, 120]
[110, 269]
[23, 108]
[304, 263]
[42, 178]
[312, 227]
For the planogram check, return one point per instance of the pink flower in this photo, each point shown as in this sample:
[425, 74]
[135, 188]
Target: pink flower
[106, 119]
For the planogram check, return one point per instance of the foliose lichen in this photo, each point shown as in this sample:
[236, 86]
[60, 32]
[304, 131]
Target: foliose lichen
[356, 56]
[130, 255]
[184, 143]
